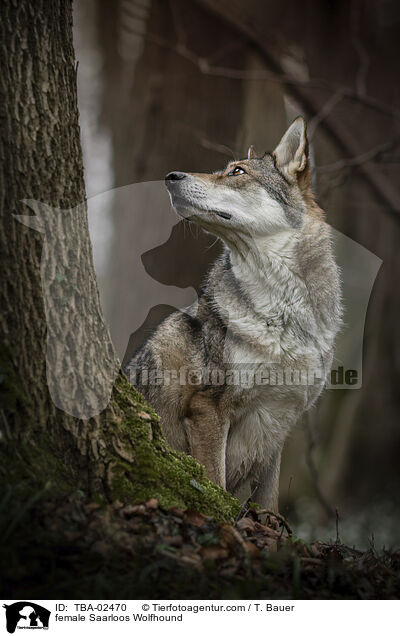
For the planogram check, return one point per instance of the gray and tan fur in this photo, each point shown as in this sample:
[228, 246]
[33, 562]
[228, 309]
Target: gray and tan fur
[271, 302]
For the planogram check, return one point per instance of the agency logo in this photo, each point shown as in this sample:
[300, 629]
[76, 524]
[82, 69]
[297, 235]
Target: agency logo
[26, 615]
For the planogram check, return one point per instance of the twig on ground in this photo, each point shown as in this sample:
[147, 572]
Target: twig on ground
[244, 508]
[337, 525]
[313, 470]
[276, 515]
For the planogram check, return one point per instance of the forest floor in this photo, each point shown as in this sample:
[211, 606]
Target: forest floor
[70, 547]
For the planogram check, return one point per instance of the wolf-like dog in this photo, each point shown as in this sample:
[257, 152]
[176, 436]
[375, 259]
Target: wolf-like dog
[231, 374]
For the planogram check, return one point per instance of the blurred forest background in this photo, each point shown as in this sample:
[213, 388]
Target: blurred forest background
[189, 84]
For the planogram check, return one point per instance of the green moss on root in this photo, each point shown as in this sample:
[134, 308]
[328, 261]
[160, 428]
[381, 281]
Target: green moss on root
[175, 479]
[142, 467]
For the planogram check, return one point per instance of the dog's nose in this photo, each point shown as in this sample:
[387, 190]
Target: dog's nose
[175, 176]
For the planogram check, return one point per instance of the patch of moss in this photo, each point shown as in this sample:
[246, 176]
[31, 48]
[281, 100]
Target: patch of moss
[174, 478]
[155, 470]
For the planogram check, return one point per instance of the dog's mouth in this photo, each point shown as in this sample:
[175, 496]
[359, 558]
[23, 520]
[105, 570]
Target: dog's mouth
[182, 206]
[223, 215]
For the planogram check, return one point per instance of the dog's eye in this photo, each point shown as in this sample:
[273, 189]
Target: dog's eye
[236, 171]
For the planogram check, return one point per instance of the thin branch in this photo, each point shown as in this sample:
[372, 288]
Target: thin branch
[244, 509]
[313, 469]
[222, 52]
[385, 191]
[334, 183]
[204, 66]
[357, 160]
[223, 149]
[361, 76]
[337, 525]
[178, 24]
[324, 112]
[282, 521]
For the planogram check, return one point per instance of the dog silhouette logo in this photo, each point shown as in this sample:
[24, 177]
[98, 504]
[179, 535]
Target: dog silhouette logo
[26, 615]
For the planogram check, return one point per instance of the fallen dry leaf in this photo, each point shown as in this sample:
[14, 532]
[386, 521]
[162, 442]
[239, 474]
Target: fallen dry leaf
[214, 552]
[231, 536]
[245, 524]
[152, 504]
[195, 518]
[252, 550]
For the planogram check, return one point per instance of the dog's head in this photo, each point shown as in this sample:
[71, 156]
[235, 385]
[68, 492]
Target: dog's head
[257, 196]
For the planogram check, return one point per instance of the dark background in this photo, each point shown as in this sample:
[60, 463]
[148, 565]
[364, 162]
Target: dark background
[171, 84]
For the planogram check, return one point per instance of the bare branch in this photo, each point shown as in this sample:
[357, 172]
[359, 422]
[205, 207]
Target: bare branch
[324, 112]
[357, 160]
[178, 24]
[361, 77]
[223, 149]
[334, 183]
[280, 518]
[204, 66]
[313, 469]
[385, 191]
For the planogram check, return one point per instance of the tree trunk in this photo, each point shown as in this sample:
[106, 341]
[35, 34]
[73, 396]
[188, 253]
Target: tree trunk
[68, 414]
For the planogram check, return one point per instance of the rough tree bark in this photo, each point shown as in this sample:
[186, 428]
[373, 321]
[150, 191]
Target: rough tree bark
[51, 319]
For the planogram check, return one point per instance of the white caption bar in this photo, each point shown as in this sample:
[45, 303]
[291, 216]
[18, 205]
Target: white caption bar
[175, 617]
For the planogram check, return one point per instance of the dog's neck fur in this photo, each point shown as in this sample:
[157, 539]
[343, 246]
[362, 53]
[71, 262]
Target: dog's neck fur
[277, 251]
[286, 276]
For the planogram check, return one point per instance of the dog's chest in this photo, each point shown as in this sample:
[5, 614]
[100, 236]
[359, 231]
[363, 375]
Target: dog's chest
[274, 380]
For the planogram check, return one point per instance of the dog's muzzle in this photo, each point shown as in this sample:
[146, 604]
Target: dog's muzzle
[172, 180]
[174, 176]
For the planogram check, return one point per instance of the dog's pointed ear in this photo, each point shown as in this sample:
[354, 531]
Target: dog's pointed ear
[291, 154]
[251, 153]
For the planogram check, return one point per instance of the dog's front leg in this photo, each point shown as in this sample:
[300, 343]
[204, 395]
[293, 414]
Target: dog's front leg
[207, 434]
[266, 491]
